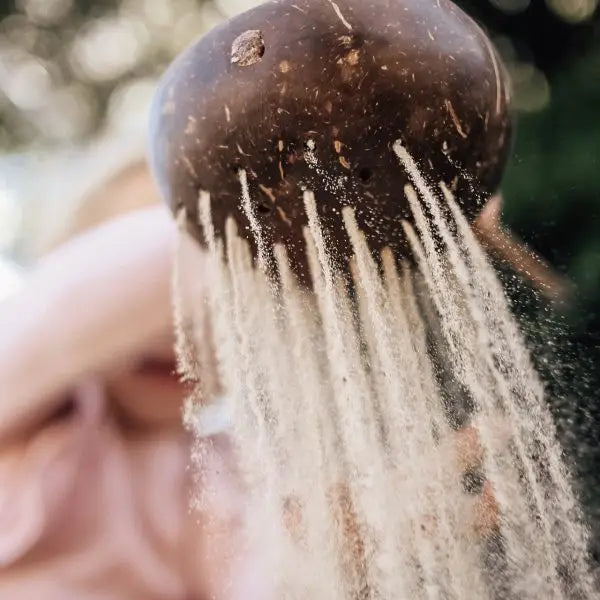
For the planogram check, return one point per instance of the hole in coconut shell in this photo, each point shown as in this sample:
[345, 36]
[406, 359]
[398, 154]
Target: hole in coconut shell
[248, 48]
[365, 174]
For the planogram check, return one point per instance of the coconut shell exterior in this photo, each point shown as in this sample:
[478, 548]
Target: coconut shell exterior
[348, 78]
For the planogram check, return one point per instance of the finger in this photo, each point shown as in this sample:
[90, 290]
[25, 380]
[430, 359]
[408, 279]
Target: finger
[486, 513]
[485, 510]
[468, 450]
[522, 259]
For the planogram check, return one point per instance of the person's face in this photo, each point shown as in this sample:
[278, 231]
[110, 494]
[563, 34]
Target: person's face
[147, 389]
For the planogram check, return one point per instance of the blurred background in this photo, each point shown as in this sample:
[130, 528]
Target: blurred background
[76, 77]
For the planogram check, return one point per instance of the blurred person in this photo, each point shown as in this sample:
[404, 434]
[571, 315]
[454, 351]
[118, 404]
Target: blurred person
[94, 481]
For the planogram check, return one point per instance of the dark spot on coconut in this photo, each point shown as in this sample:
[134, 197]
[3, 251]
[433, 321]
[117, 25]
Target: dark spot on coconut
[365, 174]
[473, 481]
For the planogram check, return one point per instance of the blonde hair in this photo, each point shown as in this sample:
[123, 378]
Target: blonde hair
[130, 188]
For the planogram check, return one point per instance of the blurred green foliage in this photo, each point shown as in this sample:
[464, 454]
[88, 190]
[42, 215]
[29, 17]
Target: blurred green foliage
[552, 184]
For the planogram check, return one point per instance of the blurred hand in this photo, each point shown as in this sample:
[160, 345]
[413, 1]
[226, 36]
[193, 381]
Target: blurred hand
[506, 246]
[99, 309]
[95, 304]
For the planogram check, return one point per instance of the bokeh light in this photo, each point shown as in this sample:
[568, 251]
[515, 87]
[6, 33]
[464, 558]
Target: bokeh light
[25, 80]
[531, 89]
[511, 6]
[45, 12]
[573, 11]
[109, 48]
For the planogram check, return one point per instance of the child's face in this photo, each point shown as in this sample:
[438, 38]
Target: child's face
[147, 390]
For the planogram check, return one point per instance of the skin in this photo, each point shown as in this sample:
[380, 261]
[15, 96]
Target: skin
[68, 324]
[90, 312]
[505, 245]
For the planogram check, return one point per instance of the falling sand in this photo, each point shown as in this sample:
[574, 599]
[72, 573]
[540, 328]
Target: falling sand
[392, 434]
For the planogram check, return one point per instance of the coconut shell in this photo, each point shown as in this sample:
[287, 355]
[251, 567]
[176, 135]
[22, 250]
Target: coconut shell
[312, 94]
